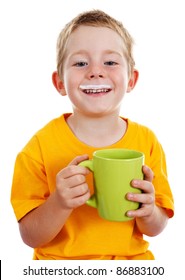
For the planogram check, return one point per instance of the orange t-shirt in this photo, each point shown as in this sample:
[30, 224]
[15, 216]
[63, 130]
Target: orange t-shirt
[85, 235]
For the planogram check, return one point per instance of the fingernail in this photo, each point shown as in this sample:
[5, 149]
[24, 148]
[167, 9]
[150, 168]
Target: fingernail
[130, 195]
[129, 213]
[135, 183]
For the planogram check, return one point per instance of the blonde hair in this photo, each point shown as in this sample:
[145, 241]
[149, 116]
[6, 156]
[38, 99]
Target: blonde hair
[95, 18]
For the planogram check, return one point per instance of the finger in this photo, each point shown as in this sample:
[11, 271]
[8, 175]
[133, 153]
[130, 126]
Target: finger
[144, 186]
[80, 200]
[72, 170]
[69, 193]
[79, 190]
[141, 212]
[79, 159]
[148, 173]
[141, 198]
[74, 181]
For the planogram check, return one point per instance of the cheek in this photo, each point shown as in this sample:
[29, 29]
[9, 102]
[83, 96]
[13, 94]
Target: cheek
[68, 83]
[71, 88]
[121, 81]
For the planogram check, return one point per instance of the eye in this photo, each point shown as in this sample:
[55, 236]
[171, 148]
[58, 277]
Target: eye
[80, 64]
[110, 63]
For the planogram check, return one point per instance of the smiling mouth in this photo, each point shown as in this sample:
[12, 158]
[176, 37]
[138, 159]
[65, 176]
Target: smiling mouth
[95, 89]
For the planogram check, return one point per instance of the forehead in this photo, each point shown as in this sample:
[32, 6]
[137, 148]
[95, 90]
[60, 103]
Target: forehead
[94, 38]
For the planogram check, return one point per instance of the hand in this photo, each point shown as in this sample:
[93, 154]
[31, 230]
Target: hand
[71, 187]
[146, 198]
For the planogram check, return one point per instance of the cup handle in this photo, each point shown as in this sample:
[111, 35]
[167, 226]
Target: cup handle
[89, 164]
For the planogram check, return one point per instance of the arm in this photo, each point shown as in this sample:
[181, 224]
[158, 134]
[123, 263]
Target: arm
[42, 224]
[150, 218]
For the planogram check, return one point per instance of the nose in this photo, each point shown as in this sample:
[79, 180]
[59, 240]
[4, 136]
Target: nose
[96, 76]
[96, 72]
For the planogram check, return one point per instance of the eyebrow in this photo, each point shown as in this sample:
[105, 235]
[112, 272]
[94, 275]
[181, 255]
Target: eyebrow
[81, 52]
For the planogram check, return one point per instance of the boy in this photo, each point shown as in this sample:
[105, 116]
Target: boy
[95, 68]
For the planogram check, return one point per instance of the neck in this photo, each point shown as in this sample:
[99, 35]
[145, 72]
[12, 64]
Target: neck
[97, 132]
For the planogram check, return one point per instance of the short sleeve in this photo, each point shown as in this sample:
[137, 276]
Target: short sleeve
[163, 193]
[29, 185]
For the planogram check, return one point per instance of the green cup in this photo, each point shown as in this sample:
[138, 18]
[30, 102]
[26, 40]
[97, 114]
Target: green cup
[113, 170]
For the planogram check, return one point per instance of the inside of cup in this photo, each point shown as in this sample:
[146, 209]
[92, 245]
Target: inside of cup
[118, 154]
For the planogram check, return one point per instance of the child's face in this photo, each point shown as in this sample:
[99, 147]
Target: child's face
[95, 70]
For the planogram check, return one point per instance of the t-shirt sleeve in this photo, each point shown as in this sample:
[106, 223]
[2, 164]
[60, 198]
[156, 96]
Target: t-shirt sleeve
[29, 185]
[163, 193]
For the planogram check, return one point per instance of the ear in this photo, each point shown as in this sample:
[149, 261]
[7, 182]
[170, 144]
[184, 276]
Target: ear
[58, 84]
[133, 80]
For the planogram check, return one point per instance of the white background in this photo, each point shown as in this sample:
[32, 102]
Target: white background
[28, 100]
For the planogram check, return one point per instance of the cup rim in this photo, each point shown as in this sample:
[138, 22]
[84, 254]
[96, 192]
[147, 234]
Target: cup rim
[136, 154]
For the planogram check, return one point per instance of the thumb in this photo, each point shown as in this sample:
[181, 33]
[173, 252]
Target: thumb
[78, 159]
[148, 173]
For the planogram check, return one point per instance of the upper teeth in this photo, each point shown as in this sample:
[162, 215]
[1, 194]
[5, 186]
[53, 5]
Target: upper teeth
[95, 91]
[95, 88]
